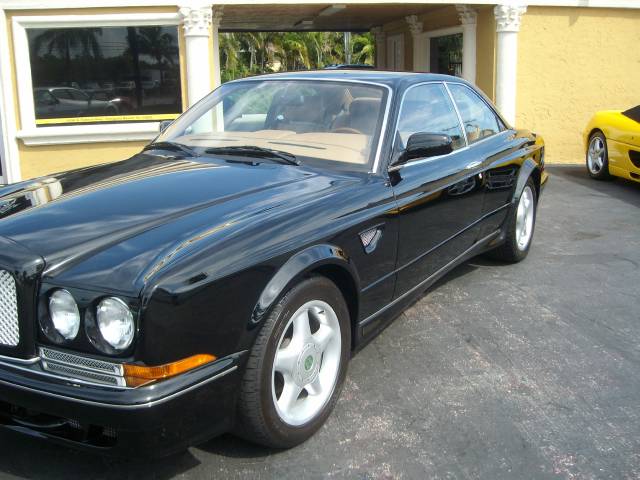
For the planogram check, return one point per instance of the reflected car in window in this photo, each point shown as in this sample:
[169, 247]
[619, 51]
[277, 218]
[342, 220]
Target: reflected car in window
[61, 102]
[221, 279]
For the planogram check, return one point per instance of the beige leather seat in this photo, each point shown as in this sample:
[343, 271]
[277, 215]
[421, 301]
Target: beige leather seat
[362, 116]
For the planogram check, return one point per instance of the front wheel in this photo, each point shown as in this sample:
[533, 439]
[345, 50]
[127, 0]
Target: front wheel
[519, 227]
[598, 157]
[297, 366]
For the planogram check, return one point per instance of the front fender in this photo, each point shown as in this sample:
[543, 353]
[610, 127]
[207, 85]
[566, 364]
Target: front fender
[301, 263]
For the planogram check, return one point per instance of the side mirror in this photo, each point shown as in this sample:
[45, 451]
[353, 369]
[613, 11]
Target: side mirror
[425, 145]
[164, 124]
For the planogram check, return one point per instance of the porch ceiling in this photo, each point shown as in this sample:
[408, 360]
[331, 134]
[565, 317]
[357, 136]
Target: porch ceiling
[289, 17]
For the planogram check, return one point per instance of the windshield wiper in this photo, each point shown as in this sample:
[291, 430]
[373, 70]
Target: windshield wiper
[253, 151]
[175, 146]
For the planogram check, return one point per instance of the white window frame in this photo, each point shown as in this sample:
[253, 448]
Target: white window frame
[32, 135]
[425, 41]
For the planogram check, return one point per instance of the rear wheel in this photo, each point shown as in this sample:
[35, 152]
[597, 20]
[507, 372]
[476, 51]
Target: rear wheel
[297, 366]
[519, 228]
[598, 157]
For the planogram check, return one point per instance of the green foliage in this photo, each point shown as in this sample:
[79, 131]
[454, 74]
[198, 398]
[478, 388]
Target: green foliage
[244, 54]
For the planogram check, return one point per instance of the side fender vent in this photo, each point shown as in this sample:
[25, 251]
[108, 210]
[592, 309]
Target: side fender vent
[370, 238]
[634, 156]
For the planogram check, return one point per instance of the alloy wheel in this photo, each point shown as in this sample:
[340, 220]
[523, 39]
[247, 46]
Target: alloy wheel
[306, 363]
[524, 218]
[595, 155]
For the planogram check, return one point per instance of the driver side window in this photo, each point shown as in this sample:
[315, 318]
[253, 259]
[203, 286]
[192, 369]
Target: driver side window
[428, 109]
[479, 120]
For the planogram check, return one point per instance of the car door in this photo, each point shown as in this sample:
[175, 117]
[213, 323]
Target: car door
[493, 148]
[439, 198]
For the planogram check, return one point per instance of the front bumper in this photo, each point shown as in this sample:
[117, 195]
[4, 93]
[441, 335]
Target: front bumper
[156, 420]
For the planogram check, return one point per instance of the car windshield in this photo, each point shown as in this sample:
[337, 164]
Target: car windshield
[312, 121]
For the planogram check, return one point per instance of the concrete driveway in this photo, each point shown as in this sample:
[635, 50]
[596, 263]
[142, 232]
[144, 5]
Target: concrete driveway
[500, 371]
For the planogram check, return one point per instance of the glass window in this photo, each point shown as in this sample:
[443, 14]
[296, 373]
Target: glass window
[319, 122]
[446, 54]
[428, 109]
[479, 120]
[106, 74]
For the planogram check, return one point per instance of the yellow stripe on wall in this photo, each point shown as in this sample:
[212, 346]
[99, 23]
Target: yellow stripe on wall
[110, 118]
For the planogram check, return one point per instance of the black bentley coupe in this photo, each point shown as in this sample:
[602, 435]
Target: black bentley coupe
[221, 279]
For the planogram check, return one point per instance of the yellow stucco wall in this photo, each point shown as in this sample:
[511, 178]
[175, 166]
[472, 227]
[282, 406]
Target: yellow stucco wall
[42, 160]
[573, 62]
[486, 51]
[36, 161]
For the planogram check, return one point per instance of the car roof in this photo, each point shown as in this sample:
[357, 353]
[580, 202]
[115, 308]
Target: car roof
[390, 78]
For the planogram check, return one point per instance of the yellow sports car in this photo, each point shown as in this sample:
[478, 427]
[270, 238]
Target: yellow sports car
[612, 140]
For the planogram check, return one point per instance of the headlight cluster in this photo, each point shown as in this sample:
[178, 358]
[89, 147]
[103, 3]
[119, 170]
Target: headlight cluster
[109, 325]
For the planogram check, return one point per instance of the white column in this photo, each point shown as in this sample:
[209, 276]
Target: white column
[197, 29]
[381, 46]
[469, 20]
[215, 26]
[507, 26]
[419, 56]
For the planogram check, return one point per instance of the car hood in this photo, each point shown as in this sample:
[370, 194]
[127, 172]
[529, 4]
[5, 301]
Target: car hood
[145, 206]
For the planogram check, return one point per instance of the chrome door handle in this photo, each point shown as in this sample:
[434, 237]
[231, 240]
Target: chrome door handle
[475, 164]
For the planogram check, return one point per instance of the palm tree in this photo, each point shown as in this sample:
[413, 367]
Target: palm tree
[364, 48]
[248, 53]
[64, 40]
[152, 41]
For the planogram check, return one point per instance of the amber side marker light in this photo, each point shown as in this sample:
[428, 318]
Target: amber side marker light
[137, 375]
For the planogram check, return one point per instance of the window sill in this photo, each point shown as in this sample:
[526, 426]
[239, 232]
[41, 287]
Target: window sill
[119, 132]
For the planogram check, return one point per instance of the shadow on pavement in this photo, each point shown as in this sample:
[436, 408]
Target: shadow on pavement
[35, 459]
[619, 188]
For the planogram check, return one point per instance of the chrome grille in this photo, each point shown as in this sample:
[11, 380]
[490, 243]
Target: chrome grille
[76, 373]
[79, 361]
[81, 368]
[9, 327]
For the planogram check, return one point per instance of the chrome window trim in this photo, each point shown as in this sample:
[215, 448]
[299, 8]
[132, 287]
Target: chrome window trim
[457, 110]
[488, 104]
[395, 129]
[383, 127]
[426, 160]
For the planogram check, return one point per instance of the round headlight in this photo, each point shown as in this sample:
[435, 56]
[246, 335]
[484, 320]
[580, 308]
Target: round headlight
[115, 322]
[64, 314]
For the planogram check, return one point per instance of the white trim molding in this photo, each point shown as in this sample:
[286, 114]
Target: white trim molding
[60, 4]
[469, 19]
[30, 134]
[116, 132]
[508, 17]
[424, 62]
[10, 154]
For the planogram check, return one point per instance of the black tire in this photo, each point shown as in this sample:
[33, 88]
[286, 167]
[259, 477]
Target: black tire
[258, 419]
[510, 251]
[603, 172]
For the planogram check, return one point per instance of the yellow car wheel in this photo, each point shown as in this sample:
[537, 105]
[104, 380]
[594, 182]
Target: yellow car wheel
[598, 157]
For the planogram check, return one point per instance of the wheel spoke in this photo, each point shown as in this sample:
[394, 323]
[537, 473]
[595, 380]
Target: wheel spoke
[315, 387]
[289, 396]
[323, 336]
[302, 329]
[285, 361]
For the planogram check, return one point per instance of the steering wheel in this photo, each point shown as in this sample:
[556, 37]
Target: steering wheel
[346, 130]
